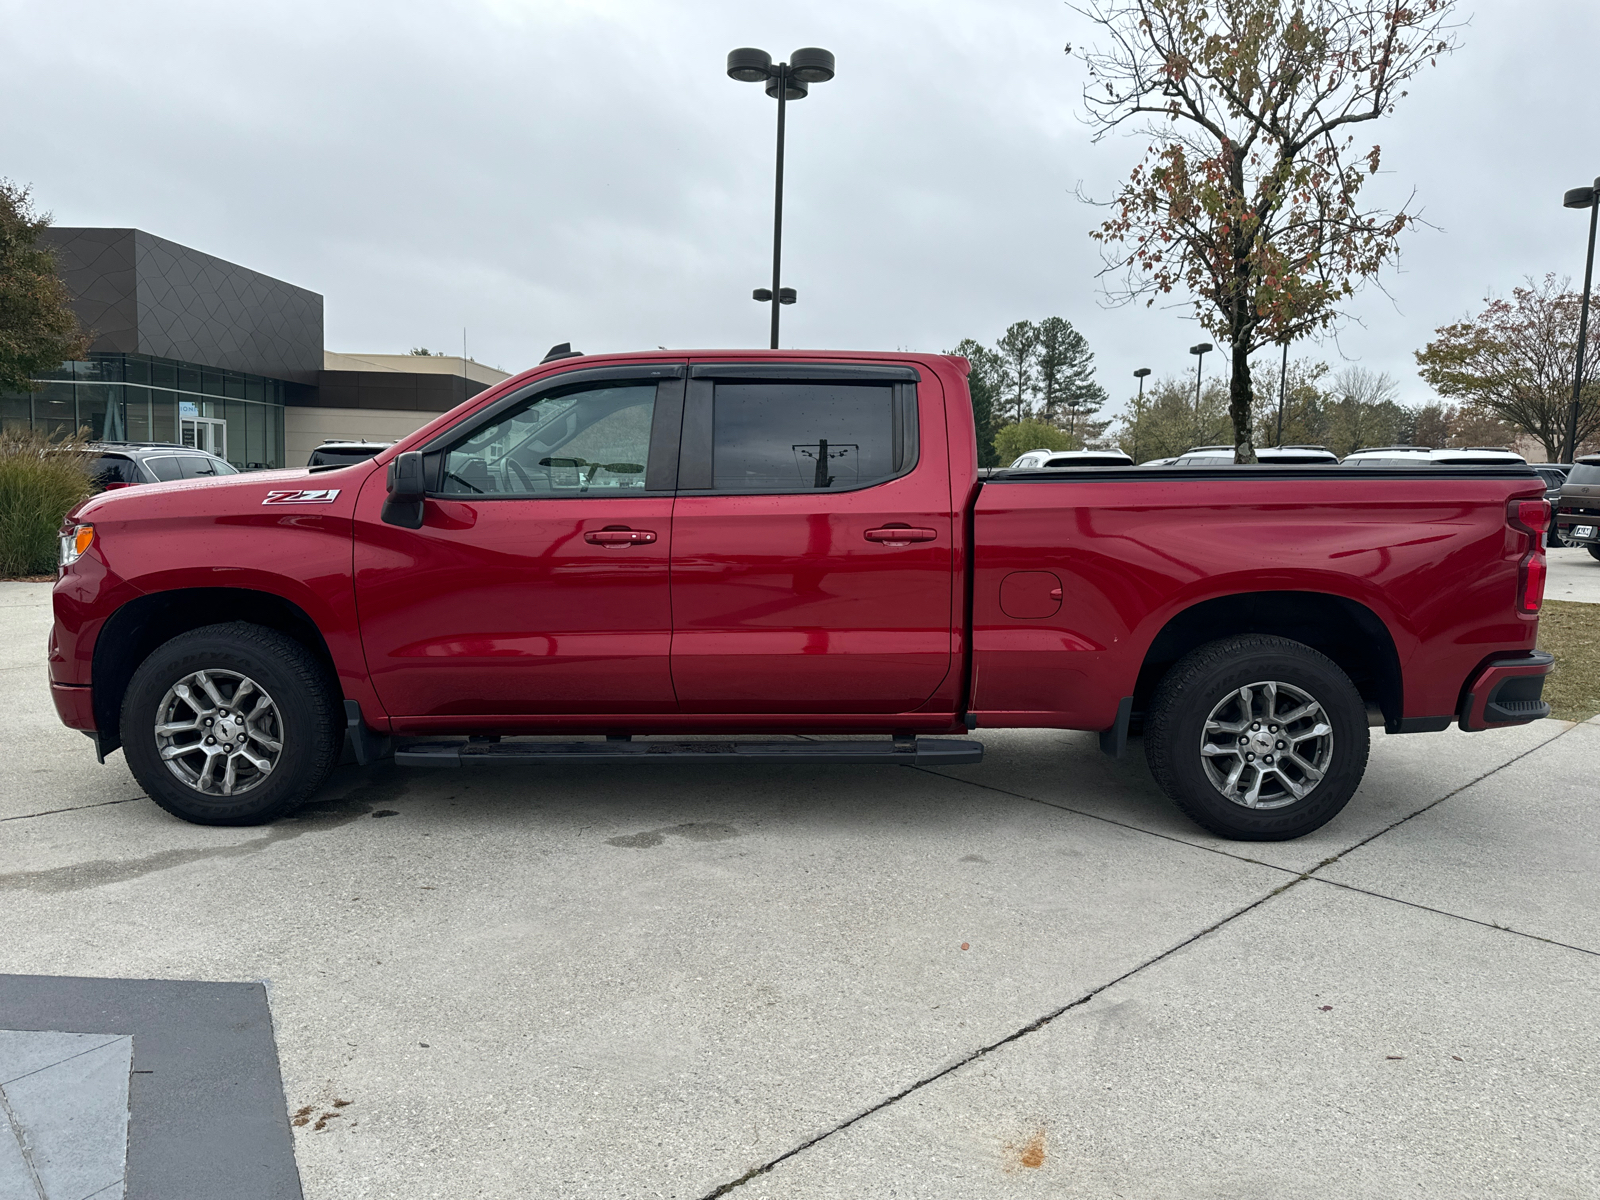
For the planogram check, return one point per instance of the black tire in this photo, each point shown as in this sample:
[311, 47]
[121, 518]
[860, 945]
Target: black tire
[300, 719]
[1594, 550]
[1211, 680]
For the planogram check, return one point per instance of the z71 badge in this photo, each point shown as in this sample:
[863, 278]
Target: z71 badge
[314, 496]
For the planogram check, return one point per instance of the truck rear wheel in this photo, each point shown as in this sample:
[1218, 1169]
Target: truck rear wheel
[230, 725]
[1257, 738]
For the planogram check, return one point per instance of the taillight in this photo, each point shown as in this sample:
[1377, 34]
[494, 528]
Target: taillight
[1532, 514]
[1531, 517]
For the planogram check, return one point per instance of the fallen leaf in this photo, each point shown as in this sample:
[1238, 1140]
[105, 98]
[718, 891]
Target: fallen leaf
[964, 946]
[1326, 1008]
[1394, 1057]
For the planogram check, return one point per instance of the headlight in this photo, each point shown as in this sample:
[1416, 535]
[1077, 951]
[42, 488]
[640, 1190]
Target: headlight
[74, 542]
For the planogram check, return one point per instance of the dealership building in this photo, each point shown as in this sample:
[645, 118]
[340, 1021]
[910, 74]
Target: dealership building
[192, 349]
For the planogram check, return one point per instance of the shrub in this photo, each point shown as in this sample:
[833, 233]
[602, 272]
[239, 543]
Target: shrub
[40, 481]
[1017, 439]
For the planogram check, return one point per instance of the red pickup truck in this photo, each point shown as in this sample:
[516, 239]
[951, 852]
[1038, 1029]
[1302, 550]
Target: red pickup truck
[743, 543]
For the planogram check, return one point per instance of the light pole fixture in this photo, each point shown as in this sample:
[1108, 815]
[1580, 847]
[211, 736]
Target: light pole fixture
[1283, 389]
[1584, 197]
[1139, 375]
[1199, 353]
[785, 81]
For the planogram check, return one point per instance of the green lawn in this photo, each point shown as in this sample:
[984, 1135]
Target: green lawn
[1571, 632]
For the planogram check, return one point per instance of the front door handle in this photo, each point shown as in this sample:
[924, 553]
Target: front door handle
[619, 535]
[891, 535]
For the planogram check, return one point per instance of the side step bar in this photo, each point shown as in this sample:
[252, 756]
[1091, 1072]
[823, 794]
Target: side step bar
[902, 751]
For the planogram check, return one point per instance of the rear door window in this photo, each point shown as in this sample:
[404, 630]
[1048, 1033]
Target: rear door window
[1586, 474]
[798, 437]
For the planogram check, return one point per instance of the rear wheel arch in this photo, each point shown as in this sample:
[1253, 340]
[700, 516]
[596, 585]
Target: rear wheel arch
[132, 633]
[1345, 630]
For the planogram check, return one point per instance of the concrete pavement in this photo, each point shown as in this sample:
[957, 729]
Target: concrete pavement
[1031, 976]
[1574, 575]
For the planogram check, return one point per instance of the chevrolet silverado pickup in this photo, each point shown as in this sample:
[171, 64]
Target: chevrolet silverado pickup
[624, 550]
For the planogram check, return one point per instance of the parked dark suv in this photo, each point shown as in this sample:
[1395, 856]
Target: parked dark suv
[343, 454]
[1578, 514]
[122, 464]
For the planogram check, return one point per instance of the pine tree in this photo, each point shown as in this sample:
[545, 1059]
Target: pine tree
[984, 382]
[1018, 349]
[1068, 393]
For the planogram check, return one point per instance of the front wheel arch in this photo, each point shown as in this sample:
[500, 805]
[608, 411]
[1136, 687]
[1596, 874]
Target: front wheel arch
[134, 632]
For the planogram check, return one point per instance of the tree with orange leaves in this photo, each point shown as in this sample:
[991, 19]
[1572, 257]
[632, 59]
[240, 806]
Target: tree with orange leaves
[1248, 196]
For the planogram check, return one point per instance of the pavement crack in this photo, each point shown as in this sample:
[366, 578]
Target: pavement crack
[1016, 1035]
[1078, 812]
[384, 784]
[50, 812]
[1035, 1026]
[1350, 887]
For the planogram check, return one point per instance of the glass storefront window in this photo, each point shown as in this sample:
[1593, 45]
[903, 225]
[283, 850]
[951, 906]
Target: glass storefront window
[89, 396]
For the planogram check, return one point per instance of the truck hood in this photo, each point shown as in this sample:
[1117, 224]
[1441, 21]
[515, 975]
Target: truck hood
[223, 495]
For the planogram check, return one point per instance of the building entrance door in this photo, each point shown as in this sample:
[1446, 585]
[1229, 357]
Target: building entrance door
[205, 433]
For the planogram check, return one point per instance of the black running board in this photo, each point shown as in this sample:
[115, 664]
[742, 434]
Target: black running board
[912, 752]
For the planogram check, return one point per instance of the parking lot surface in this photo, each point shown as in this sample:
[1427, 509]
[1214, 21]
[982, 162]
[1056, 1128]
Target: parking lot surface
[1574, 575]
[1027, 977]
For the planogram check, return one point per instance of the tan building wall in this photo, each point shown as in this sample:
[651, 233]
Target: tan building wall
[304, 429]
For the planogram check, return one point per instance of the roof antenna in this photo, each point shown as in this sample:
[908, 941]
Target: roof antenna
[562, 350]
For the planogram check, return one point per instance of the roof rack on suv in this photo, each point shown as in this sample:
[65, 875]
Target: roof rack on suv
[1296, 447]
[1418, 449]
[1501, 449]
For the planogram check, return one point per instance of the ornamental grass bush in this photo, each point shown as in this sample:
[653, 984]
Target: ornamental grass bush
[40, 480]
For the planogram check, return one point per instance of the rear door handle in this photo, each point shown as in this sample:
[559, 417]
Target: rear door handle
[620, 536]
[892, 536]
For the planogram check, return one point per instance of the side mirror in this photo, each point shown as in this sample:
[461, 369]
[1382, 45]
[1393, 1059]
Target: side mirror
[407, 490]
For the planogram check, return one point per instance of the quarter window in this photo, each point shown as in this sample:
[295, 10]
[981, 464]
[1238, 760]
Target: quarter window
[589, 442]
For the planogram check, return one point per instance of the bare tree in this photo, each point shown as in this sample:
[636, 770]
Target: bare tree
[1247, 197]
[1515, 362]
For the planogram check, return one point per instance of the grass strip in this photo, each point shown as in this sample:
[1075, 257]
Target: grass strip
[1570, 630]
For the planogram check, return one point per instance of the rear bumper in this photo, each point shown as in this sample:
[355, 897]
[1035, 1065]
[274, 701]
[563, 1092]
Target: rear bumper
[1566, 522]
[1507, 691]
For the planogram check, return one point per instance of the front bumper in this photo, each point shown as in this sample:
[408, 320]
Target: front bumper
[1507, 691]
[75, 705]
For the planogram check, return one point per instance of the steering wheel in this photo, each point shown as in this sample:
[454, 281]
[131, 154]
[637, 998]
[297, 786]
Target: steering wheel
[523, 477]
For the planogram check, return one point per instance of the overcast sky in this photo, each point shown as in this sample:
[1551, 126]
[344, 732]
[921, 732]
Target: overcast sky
[540, 171]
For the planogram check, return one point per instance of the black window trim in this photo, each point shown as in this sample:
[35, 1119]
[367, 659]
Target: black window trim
[793, 372]
[666, 420]
[695, 472]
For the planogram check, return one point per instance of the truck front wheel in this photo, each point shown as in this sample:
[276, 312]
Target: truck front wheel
[230, 725]
[1257, 738]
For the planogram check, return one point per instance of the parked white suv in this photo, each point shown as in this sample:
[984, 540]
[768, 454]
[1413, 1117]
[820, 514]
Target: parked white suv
[1047, 459]
[1410, 456]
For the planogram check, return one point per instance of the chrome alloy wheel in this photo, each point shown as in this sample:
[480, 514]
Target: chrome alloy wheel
[1266, 745]
[219, 732]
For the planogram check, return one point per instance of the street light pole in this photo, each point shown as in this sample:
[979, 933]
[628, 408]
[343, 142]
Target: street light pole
[1138, 409]
[1200, 358]
[785, 81]
[1283, 389]
[1589, 198]
[782, 78]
